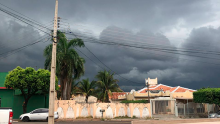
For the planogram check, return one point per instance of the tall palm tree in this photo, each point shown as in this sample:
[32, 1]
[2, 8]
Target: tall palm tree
[106, 84]
[87, 88]
[69, 65]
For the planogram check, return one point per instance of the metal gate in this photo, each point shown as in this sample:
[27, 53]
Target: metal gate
[163, 107]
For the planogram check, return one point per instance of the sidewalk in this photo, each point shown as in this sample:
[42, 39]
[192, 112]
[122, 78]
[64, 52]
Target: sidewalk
[180, 121]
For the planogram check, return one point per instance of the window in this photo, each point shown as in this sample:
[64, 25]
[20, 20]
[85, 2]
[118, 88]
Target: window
[37, 111]
[0, 102]
[45, 110]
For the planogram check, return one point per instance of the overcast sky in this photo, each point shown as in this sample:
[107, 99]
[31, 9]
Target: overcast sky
[174, 24]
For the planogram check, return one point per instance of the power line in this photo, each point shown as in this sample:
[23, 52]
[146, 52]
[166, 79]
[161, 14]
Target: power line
[147, 47]
[125, 45]
[26, 21]
[11, 52]
[144, 37]
[132, 39]
[106, 65]
[19, 39]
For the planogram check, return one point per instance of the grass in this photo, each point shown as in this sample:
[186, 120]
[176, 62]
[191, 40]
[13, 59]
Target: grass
[122, 117]
[88, 117]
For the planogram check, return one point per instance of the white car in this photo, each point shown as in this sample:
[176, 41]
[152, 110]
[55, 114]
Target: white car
[37, 114]
[215, 115]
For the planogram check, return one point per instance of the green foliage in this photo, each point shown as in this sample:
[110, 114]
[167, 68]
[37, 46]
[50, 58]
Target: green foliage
[86, 88]
[106, 84]
[134, 101]
[207, 95]
[29, 82]
[122, 117]
[69, 65]
[134, 117]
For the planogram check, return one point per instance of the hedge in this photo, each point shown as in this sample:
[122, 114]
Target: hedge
[207, 95]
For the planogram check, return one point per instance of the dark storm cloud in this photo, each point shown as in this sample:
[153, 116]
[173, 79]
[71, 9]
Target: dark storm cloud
[137, 22]
[147, 14]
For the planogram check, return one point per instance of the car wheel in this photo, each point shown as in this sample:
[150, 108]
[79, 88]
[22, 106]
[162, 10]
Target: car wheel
[25, 119]
[47, 119]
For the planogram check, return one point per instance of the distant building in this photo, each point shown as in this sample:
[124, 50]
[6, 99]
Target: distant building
[156, 91]
[13, 98]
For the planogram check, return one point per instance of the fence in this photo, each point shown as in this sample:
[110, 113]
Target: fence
[163, 107]
[192, 109]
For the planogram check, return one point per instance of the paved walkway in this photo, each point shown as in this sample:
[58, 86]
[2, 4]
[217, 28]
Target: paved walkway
[180, 121]
[217, 122]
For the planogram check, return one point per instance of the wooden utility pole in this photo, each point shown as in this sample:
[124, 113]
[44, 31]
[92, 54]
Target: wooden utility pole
[53, 69]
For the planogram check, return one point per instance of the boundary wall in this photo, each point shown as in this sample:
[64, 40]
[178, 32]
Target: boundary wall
[70, 109]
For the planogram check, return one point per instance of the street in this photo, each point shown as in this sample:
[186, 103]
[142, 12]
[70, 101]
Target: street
[181, 121]
[79, 122]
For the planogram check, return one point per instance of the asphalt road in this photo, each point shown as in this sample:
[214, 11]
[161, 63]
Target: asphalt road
[79, 122]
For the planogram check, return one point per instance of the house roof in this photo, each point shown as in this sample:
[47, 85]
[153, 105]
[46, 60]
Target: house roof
[166, 88]
[156, 87]
[114, 95]
[182, 89]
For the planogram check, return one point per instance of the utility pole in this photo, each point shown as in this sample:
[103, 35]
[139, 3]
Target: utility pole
[53, 69]
[148, 91]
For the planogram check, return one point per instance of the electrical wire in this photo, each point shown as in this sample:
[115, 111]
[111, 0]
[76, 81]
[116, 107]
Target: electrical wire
[11, 52]
[105, 64]
[151, 48]
[91, 40]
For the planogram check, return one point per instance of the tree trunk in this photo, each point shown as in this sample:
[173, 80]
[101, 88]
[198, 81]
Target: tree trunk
[25, 105]
[61, 87]
[87, 97]
[69, 90]
[64, 92]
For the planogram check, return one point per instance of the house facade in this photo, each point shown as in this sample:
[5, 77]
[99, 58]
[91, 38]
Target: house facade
[156, 91]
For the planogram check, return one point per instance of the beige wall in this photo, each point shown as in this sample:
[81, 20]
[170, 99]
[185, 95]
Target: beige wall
[187, 95]
[71, 109]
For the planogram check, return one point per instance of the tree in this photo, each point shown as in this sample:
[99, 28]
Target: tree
[207, 95]
[106, 84]
[29, 82]
[86, 88]
[69, 65]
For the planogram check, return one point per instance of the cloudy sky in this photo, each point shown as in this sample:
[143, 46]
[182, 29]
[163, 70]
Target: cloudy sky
[189, 28]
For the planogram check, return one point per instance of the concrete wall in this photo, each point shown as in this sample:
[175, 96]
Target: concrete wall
[186, 94]
[71, 109]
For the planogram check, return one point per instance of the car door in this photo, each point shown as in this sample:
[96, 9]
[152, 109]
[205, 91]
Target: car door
[35, 115]
[44, 114]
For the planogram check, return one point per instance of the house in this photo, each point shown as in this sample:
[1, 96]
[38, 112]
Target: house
[181, 94]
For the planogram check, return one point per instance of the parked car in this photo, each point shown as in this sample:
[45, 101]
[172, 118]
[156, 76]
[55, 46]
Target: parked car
[215, 115]
[6, 116]
[37, 114]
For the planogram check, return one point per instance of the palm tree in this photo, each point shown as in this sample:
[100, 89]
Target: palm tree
[86, 88]
[106, 84]
[69, 65]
